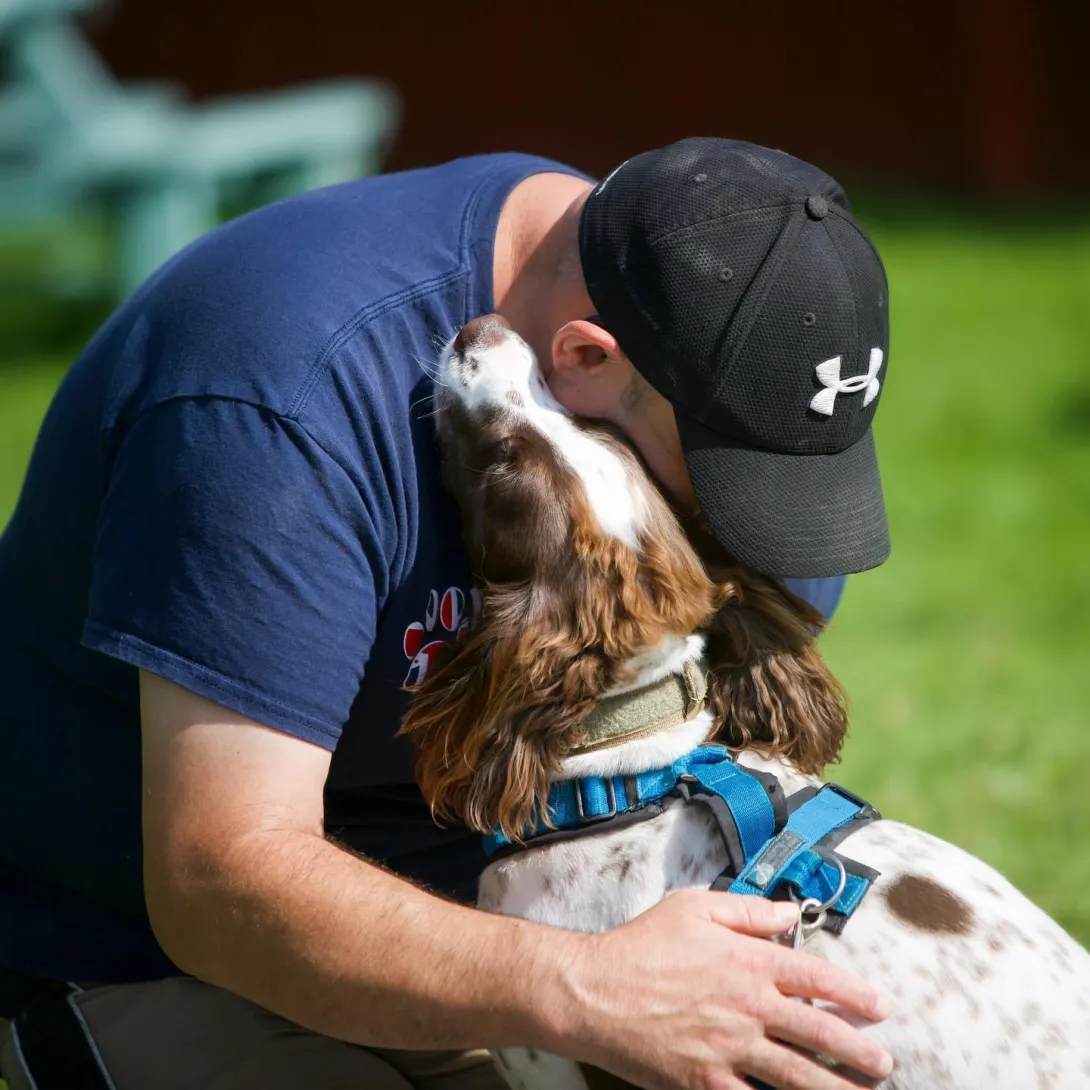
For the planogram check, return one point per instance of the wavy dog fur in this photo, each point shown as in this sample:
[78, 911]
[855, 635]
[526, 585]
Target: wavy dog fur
[565, 608]
[589, 582]
[563, 612]
[769, 686]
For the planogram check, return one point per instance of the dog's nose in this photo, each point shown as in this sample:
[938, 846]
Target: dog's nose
[483, 332]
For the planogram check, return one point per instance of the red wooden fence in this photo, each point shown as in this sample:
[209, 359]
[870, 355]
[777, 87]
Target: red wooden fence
[976, 96]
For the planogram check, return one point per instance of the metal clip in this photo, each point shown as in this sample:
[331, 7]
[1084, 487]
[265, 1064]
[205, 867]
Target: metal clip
[812, 912]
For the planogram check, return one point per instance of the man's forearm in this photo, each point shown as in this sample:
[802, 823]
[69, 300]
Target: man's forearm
[307, 930]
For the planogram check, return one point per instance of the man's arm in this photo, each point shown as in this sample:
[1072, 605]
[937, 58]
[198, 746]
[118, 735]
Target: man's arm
[244, 891]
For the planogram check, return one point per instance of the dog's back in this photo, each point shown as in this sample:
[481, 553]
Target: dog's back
[591, 589]
[986, 990]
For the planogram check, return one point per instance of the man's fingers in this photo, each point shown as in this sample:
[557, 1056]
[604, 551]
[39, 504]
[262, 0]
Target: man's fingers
[787, 1069]
[751, 915]
[796, 973]
[823, 1032]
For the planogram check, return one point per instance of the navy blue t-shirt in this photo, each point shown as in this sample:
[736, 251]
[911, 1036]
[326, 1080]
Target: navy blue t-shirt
[237, 488]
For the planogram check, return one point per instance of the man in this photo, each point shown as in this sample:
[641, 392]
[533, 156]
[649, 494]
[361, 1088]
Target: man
[233, 552]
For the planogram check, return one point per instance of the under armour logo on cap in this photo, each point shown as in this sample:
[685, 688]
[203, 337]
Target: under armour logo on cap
[829, 375]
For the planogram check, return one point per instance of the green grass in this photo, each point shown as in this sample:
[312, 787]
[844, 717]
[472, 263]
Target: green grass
[965, 655]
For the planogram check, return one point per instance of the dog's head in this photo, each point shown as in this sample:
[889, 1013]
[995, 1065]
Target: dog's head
[582, 566]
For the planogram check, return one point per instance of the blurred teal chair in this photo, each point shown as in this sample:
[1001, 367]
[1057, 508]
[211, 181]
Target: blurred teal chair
[72, 136]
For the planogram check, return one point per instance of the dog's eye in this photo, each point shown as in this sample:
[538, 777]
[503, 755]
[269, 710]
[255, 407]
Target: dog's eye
[506, 452]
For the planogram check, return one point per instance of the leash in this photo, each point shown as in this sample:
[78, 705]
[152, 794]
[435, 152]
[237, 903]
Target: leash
[779, 847]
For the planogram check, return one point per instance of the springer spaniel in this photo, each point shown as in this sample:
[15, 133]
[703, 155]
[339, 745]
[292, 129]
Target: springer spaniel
[590, 586]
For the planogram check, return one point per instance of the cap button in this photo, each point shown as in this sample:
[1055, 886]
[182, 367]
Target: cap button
[816, 207]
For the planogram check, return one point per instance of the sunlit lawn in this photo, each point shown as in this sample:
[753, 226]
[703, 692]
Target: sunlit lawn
[967, 654]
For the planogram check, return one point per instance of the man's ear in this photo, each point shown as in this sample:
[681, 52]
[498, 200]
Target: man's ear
[582, 346]
[589, 370]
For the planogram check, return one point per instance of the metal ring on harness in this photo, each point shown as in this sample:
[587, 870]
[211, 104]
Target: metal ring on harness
[821, 907]
[818, 910]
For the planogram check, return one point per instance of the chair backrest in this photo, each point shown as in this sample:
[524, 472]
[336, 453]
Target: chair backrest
[14, 12]
[50, 60]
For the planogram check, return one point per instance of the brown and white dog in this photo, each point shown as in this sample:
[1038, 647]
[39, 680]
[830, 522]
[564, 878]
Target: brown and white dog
[589, 586]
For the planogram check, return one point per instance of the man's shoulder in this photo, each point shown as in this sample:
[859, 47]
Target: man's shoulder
[337, 246]
[250, 310]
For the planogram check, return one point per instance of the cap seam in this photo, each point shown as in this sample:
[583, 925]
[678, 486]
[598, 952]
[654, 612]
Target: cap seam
[676, 229]
[853, 223]
[763, 277]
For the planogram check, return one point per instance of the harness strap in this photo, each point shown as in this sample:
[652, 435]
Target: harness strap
[749, 805]
[791, 857]
[576, 804]
[591, 799]
[695, 792]
[601, 825]
[775, 844]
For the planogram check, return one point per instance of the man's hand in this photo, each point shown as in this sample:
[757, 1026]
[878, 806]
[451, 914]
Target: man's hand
[244, 891]
[688, 996]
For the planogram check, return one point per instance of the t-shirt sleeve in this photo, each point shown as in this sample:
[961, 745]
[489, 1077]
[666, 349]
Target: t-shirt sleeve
[238, 559]
[823, 594]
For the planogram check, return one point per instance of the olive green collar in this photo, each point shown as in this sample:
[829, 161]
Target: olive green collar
[640, 712]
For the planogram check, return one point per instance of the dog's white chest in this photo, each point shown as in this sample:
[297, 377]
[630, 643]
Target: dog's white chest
[595, 882]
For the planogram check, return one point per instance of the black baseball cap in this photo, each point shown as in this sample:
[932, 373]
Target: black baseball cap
[738, 283]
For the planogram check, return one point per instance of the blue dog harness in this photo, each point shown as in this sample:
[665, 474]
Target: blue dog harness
[778, 846]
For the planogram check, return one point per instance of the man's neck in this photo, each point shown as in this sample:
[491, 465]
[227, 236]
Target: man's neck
[534, 287]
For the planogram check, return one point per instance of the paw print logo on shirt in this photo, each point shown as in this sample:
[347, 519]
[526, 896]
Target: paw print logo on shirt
[422, 642]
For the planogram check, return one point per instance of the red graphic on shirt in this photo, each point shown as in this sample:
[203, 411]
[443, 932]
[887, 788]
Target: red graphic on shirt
[449, 612]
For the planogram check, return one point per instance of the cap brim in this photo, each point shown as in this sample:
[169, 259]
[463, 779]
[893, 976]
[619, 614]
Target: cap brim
[789, 515]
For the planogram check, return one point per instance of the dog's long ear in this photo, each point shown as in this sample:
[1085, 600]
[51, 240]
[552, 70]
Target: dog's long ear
[769, 686]
[497, 717]
[494, 721]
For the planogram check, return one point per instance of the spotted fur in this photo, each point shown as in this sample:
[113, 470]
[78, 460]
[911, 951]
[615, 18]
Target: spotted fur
[987, 991]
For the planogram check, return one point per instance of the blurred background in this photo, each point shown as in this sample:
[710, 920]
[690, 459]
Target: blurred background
[957, 127]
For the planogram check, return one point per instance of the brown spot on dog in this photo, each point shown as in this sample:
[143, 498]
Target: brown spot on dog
[978, 970]
[925, 905]
[617, 870]
[1056, 1038]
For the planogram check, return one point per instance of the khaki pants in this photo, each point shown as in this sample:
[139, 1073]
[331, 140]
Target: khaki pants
[181, 1034]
